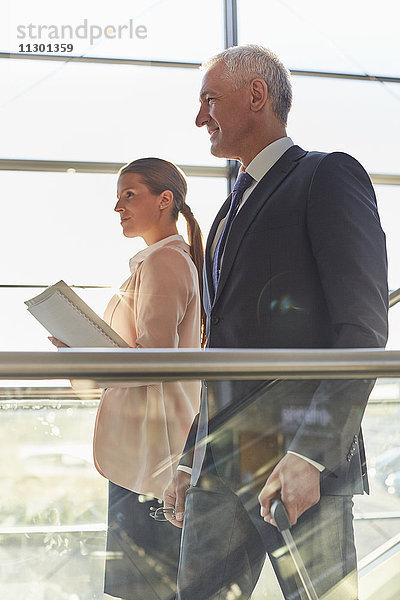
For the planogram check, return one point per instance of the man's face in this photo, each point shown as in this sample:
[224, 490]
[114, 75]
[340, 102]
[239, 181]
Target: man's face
[225, 112]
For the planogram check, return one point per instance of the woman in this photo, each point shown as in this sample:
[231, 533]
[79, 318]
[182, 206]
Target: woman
[140, 430]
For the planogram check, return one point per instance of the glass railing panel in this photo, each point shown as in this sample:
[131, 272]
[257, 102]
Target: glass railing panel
[53, 501]
[53, 515]
[377, 516]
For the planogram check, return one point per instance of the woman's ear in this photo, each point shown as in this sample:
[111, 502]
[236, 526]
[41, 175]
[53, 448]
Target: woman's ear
[166, 199]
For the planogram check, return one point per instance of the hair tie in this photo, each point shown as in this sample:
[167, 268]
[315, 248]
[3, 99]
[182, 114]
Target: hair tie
[186, 209]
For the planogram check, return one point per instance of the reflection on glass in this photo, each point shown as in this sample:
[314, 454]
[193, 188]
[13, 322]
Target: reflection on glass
[53, 506]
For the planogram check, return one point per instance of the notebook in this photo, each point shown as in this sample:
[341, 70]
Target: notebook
[68, 318]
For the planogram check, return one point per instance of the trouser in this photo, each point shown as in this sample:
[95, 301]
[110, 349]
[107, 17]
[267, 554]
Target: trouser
[223, 547]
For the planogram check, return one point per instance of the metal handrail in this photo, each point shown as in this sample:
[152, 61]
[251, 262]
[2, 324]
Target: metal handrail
[130, 365]
[394, 297]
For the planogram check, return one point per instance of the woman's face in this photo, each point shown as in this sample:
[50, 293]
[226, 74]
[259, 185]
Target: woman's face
[138, 208]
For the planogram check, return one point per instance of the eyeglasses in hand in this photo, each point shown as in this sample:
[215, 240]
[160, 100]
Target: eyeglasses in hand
[159, 514]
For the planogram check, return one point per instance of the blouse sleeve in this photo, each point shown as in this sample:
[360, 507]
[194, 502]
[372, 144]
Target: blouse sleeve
[166, 288]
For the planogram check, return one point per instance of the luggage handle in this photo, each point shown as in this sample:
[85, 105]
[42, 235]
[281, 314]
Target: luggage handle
[280, 516]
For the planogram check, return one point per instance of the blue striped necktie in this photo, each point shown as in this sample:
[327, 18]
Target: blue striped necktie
[242, 183]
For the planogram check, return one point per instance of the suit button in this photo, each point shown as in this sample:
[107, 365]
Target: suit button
[348, 457]
[215, 320]
[355, 439]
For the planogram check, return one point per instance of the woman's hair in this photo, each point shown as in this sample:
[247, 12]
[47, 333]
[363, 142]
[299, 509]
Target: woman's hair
[160, 175]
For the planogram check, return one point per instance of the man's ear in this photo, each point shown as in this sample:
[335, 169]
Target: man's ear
[259, 94]
[166, 199]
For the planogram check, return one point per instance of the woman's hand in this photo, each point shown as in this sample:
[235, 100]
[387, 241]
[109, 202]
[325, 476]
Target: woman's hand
[57, 342]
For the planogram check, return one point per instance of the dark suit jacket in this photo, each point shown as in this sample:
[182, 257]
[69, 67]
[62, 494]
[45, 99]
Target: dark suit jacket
[304, 267]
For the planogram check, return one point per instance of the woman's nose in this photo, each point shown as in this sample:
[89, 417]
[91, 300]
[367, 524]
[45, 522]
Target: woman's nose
[118, 207]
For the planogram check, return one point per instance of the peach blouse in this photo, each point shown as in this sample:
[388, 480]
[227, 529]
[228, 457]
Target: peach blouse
[140, 430]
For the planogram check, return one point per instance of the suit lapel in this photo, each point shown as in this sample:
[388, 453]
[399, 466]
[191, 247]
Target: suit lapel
[254, 203]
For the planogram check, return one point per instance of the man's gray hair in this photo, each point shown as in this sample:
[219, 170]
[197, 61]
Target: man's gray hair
[244, 63]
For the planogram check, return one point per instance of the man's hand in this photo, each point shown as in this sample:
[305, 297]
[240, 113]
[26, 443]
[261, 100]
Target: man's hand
[298, 484]
[174, 497]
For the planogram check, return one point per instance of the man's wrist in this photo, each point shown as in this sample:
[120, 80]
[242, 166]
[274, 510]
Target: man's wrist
[309, 460]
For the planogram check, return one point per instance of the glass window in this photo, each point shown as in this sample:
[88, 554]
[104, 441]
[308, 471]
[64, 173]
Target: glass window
[62, 226]
[347, 37]
[394, 328]
[149, 29]
[389, 207]
[92, 112]
[361, 118]
[22, 332]
[388, 197]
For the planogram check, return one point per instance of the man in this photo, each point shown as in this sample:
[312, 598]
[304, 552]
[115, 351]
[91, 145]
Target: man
[295, 259]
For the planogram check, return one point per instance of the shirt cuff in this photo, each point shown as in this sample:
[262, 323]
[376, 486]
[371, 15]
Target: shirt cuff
[187, 470]
[309, 460]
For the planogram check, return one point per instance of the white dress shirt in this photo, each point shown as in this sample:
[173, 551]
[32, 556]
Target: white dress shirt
[259, 166]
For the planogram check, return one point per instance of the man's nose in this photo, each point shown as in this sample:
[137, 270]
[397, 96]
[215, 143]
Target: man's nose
[202, 116]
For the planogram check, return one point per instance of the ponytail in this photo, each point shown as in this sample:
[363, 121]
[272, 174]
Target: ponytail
[197, 253]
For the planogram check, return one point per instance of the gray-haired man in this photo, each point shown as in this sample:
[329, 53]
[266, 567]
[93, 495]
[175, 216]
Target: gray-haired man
[295, 259]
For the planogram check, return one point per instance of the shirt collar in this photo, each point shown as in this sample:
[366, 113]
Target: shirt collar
[266, 159]
[140, 256]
